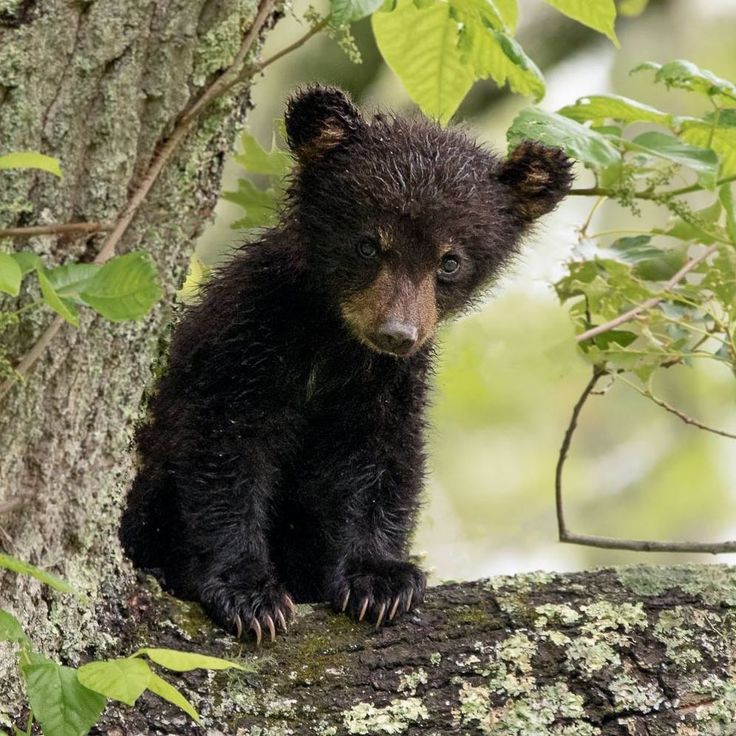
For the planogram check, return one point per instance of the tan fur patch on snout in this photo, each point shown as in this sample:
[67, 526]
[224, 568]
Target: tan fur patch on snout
[392, 296]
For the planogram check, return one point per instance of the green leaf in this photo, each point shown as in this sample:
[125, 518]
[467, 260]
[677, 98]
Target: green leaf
[614, 337]
[725, 195]
[493, 53]
[24, 568]
[632, 8]
[421, 48]
[178, 661]
[126, 287]
[682, 74]
[63, 307]
[260, 205]
[703, 161]
[68, 280]
[600, 15]
[599, 108]
[590, 148]
[119, 679]
[168, 692]
[10, 274]
[30, 160]
[257, 160]
[27, 260]
[60, 703]
[720, 137]
[349, 11]
[508, 11]
[10, 628]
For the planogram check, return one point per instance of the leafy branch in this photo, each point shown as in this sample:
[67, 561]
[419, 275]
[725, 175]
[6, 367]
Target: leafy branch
[65, 700]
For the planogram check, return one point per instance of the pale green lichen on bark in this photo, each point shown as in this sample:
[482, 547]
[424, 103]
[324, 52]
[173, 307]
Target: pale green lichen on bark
[715, 584]
[396, 717]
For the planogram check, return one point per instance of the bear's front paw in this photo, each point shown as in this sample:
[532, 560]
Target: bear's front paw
[378, 589]
[240, 605]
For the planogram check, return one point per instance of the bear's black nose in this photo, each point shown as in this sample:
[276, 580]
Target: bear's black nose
[397, 337]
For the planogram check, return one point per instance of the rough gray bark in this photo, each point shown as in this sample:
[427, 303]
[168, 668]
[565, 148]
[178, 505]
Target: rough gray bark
[640, 651]
[99, 85]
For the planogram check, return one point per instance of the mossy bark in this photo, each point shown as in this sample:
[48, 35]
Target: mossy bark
[617, 652]
[99, 84]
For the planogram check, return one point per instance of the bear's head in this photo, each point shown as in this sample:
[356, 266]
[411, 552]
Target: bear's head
[404, 222]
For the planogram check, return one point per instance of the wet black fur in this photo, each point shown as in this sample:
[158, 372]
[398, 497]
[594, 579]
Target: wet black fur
[280, 454]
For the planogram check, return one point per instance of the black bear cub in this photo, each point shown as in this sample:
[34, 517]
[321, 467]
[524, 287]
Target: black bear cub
[282, 457]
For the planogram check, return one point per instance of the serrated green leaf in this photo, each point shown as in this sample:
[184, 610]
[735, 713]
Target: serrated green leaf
[600, 15]
[256, 160]
[60, 703]
[10, 274]
[68, 280]
[725, 195]
[683, 74]
[493, 53]
[27, 260]
[168, 692]
[124, 288]
[703, 161]
[24, 568]
[349, 11]
[63, 307]
[421, 48]
[178, 661]
[599, 108]
[581, 143]
[119, 679]
[10, 628]
[30, 160]
[260, 205]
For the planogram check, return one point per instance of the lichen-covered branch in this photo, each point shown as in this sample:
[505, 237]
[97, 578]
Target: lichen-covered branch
[640, 650]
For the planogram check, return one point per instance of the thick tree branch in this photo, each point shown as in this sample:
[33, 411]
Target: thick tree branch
[641, 650]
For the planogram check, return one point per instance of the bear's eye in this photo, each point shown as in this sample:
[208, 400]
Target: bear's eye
[449, 265]
[367, 248]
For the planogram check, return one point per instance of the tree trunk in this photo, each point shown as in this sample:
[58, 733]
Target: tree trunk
[99, 85]
[640, 651]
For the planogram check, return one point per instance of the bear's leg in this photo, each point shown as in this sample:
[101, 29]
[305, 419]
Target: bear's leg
[373, 580]
[226, 499]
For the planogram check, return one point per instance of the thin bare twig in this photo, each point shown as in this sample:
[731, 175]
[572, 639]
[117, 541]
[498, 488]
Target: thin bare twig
[224, 81]
[313, 31]
[564, 449]
[649, 303]
[686, 417]
[587, 540]
[69, 228]
[603, 192]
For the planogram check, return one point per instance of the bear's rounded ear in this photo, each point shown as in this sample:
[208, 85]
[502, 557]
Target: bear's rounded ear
[319, 119]
[539, 177]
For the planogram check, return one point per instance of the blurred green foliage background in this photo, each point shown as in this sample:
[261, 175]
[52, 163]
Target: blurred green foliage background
[509, 374]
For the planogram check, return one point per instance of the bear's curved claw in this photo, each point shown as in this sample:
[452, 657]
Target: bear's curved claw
[378, 590]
